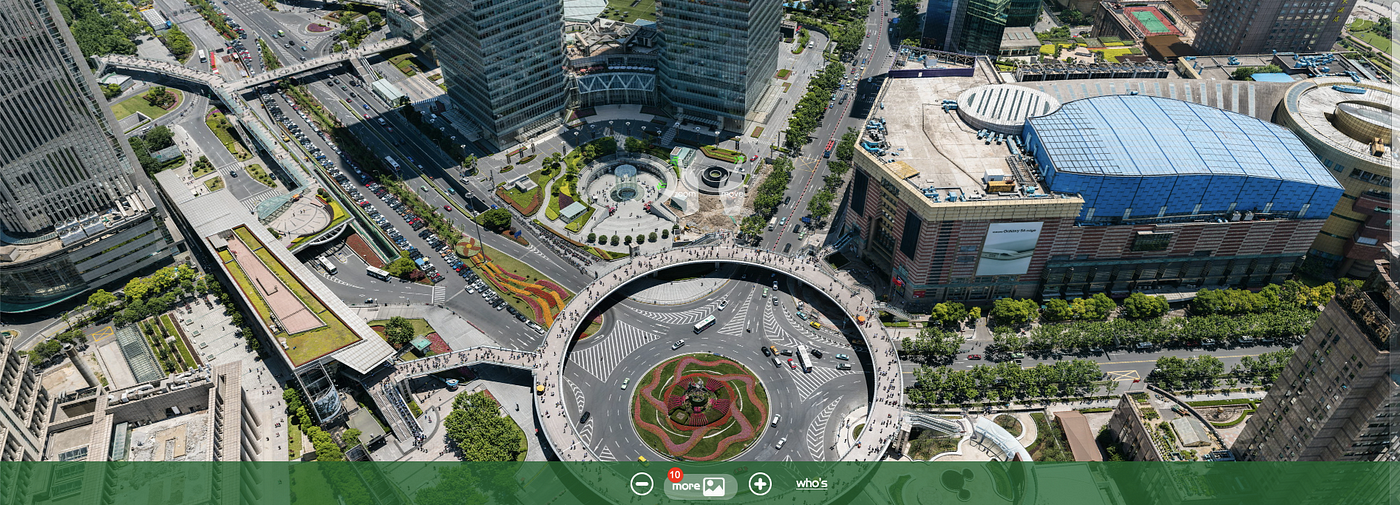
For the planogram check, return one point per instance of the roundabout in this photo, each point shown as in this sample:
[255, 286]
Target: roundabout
[699, 407]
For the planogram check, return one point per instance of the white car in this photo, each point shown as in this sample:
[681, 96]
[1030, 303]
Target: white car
[722, 304]
[776, 418]
[780, 443]
[625, 382]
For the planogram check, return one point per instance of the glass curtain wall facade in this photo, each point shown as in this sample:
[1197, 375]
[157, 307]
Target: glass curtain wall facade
[974, 26]
[983, 22]
[718, 56]
[1260, 26]
[60, 159]
[503, 61]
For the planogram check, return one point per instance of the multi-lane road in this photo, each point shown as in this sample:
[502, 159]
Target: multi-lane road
[637, 336]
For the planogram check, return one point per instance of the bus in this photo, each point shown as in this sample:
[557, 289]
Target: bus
[705, 323]
[389, 160]
[330, 267]
[803, 359]
[203, 56]
[830, 144]
[377, 273]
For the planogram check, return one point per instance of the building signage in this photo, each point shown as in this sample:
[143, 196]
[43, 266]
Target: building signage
[1008, 248]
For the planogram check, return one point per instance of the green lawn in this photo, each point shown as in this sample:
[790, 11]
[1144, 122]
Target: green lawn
[258, 173]
[307, 345]
[138, 103]
[420, 325]
[201, 170]
[293, 441]
[215, 184]
[406, 64]
[624, 10]
[184, 350]
[524, 201]
[226, 135]
[1377, 41]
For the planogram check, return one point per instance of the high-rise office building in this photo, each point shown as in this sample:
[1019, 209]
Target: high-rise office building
[73, 214]
[24, 405]
[718, 57]
[1261, 26]
[503, 62]
[1338, 398]
[975, 26]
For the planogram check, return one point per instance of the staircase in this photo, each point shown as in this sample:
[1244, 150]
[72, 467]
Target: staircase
[670, 135]
[900, 313]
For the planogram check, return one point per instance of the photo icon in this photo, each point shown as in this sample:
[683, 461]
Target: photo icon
[713, 486]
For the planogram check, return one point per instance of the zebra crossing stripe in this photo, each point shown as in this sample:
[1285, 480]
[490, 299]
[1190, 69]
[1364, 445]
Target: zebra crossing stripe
[809, 383]
[606, 454]
[816, 432]
[736, 324]
[688, 317]
[602, 358]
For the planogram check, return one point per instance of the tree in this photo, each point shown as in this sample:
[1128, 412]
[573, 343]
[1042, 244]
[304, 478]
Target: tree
[159, 96]
[401, 267]
[351, 437]
[111, 90]
[159, 137]
[627, 240]
[751, 225]
[495, 219]
[455, 485]
[614, 240]
[820, 205]
[641, 238]
[651, 237]
[846, 149]
[1014, 312]
[933, 341]
[1095, 308]
[1141, 306]
[375, 18]
[665, 233]
[948, 314]
[1057, 310]
[592, 237]
[398, 331]
[478, 430]
[100, 299]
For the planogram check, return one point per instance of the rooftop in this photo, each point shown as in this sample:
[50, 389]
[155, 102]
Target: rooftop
[1257, 99]
[1313, 105]
[1151, 136]
[932, 147]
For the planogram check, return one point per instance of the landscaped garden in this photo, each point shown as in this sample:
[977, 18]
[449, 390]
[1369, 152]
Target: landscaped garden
[722, 154]
[215, 184]
[527, 202]
[154, 103]
[519, 284]
[700, 407]
[222, 128]
[300, 347]
[258, 173]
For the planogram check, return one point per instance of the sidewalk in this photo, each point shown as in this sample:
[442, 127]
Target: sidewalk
[684, 291]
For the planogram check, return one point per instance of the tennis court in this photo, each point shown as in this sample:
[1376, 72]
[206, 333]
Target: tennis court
[1151, 21]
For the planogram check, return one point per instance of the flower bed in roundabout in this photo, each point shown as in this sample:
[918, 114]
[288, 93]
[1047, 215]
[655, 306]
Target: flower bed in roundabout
[699, 407]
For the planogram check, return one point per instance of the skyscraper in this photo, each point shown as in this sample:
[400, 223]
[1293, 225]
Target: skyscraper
[503, 62]
[24, 407]
[1261, 26]
[1338, 398]
[68, 191]
[975, 26]
[718, 56]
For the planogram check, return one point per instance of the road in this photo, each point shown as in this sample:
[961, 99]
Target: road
[637, 336]
[809, 167]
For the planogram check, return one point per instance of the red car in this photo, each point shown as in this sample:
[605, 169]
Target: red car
[447, 208]
[791, 364]
[755, 157]
[974, 356]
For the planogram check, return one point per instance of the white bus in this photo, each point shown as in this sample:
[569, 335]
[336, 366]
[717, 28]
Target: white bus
[377, 273]
[389, 160]
[705, 323]
[330, 267]
[803, 359]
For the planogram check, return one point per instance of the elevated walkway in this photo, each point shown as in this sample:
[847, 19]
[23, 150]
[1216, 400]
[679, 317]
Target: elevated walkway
[319, 63]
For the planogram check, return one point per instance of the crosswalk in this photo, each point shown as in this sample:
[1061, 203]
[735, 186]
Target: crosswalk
[774, 331]
[688, 317]
[609, 349]
[735, 326]
[605, 454]
[439, 294]
[251, 203]
[809, 382]
[816, 432]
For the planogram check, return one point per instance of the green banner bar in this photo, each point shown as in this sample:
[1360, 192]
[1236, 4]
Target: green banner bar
[975, 483]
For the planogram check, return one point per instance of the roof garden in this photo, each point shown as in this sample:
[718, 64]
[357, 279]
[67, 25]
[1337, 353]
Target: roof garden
[300, 321]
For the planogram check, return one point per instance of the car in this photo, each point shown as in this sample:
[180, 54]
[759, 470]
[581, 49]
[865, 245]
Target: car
[974, 356]
[1018, 355]
[677, 345]
[766, 353]
[765, 292]
[447, 207]
[773, 350]
[777, 363]
[584, 418]
[303, 49]
[816, 352]
[780, 443]
[776, 418]
[815, 325]
[786, 249]
[625, 382]
[754, 158]
[785, 352]
[842, 357]
[791, 364]
[775, 301]
[721, 305]
[775, 283]
[369, 300]
[1208, 342]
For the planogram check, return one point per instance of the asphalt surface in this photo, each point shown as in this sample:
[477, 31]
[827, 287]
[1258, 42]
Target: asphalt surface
[809, 168]
[637, 336]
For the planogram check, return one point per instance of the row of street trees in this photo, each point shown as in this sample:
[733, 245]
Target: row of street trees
[807, 114]
[1171, 332]
[1004, 382]
[1207, 372]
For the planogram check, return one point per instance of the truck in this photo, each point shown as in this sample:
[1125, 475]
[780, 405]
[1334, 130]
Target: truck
[203, 56]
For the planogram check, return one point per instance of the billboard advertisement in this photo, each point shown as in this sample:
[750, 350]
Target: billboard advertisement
[1008, 248]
